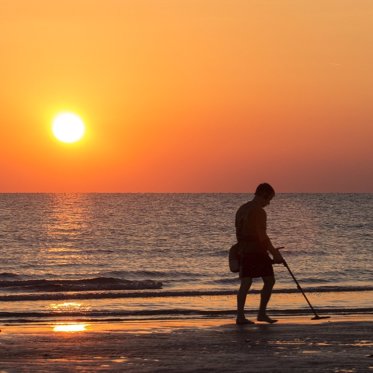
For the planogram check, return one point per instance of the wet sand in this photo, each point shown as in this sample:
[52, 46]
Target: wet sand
[294, 344]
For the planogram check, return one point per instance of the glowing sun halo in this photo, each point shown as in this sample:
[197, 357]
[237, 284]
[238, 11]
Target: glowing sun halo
[68, 127]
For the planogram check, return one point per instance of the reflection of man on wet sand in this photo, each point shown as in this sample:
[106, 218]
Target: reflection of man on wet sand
[254, 245]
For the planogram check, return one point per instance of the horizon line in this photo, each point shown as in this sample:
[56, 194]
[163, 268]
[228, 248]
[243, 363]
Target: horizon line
[185, 192]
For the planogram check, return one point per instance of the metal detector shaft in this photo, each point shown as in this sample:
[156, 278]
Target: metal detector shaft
[299, 287]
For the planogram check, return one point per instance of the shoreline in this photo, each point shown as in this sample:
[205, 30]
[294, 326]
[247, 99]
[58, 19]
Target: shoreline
[214, 306]
[170, 323]
[296, 343]
[35, 317]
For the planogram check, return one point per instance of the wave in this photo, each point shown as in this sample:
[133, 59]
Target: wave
[162, 294]
[92, 284]
[8, 275]
[156, 274]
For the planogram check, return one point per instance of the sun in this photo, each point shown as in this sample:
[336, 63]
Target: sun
[68, 127]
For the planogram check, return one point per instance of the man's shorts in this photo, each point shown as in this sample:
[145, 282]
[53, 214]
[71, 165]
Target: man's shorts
[256, 264]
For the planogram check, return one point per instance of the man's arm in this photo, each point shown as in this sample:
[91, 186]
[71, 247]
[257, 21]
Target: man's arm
[264, 239]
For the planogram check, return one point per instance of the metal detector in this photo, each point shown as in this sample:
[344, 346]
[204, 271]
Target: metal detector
[317, 317]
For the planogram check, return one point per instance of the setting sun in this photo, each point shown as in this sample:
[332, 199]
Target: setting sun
[68, 127]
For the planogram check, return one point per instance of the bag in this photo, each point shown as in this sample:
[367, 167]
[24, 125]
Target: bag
[234, 259]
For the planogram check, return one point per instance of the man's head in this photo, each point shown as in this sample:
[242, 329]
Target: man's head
[264, 192]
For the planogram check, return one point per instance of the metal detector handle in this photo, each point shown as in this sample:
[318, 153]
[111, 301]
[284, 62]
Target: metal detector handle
[279, 248]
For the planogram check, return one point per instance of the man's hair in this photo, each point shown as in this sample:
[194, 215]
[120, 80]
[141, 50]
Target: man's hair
[264, 190]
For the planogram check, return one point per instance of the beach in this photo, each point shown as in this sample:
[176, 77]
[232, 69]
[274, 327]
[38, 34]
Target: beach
[342, 343]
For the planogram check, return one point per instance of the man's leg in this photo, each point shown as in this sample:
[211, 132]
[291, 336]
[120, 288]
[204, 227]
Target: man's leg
[241, 297]
[265, 295]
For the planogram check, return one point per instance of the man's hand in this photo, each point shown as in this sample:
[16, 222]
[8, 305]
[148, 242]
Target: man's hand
[277, 257]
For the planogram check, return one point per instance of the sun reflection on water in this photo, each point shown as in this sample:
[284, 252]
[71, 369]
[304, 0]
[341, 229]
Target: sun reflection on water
[68, 307]
[70, 328]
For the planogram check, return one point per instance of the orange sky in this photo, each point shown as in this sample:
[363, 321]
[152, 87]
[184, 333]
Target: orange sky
[187, 95]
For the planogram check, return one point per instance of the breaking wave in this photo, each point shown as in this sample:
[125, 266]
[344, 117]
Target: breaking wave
[91, 284]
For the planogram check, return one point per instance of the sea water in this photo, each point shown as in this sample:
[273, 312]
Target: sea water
[164, 255]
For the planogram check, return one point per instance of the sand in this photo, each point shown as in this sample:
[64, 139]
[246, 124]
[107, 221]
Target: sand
[294, 344]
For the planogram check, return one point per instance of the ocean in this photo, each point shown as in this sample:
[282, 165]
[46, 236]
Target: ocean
[130, 256]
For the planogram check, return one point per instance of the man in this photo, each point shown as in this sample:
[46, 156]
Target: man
[254, 245]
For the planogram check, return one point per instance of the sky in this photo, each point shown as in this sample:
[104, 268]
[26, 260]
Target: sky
[187, 95]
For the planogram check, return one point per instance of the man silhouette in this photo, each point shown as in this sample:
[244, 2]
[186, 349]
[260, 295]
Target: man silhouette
[254, 245]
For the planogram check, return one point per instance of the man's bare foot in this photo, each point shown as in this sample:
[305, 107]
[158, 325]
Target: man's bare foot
[243, 321]
[266, 318]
